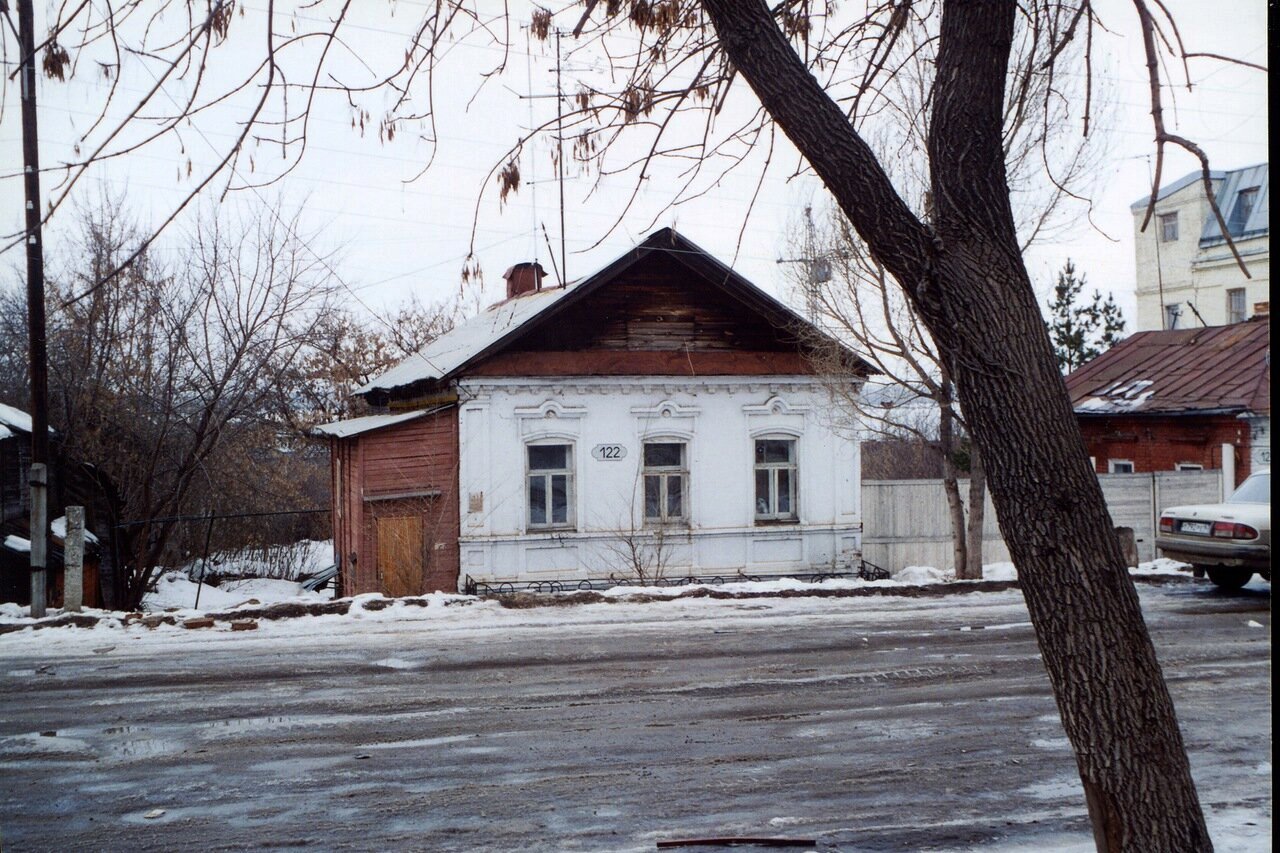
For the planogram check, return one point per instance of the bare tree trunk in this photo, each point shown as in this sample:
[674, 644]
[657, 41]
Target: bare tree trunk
[966, 278]
[951, 483]
[977, 515]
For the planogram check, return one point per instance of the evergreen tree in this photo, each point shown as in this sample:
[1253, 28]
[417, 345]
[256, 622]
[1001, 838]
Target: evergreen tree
[1081, 332]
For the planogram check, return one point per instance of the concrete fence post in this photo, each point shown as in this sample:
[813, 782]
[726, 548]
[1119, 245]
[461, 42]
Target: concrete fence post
[39, 484]
[1228, 470]
[73, 561]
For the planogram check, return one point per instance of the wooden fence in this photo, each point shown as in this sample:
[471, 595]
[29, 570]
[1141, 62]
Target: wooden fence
[906, 523]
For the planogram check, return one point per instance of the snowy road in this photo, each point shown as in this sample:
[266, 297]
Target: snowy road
[866, 723]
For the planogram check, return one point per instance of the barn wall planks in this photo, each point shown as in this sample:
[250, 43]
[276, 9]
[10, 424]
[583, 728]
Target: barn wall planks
[417, 462]
[660, 305]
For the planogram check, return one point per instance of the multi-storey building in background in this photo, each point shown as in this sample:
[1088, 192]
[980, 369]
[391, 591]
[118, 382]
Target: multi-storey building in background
[1186, 274]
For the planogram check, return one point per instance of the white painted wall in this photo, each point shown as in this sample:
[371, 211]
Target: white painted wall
[718, 417]
[1180, 271]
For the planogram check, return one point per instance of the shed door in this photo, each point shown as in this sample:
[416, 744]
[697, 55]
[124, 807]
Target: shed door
[401, 547]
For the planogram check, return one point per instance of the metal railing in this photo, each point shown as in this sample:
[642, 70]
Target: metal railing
[865, 571]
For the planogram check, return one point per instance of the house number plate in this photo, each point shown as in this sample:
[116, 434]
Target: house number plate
[609, 452]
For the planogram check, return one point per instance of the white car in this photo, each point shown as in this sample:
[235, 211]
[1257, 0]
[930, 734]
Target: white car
[1228, 541]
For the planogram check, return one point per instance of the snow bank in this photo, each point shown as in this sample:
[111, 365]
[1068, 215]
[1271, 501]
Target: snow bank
[756, 587]
[1162, 566]
[174, 591]
[923, 575]
[999, 572]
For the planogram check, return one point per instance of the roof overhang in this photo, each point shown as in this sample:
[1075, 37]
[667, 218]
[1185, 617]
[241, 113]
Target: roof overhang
[369, 423]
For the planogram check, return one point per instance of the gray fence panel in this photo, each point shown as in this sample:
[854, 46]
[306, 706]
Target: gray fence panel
[907, 523]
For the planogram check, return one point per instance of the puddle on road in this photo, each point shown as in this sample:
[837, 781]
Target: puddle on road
[1052, 743]
[1062, 789]
[417, 744]
[397, 663]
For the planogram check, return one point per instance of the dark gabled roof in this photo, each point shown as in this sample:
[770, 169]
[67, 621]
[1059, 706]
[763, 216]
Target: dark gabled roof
[501, 325]
[1219, 369]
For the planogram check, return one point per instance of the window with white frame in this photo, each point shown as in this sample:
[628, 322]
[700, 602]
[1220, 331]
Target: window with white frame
[1235, 305]
[550, 485]
[666, 482]
[1120, 466]
[1188, 466]
[1169, 227]
[1172, 312]
[775, 477]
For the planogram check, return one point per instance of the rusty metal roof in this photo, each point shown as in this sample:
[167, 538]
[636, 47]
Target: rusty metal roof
[1218, 369]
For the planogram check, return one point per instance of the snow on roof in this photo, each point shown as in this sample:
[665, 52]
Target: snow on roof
[17, 543]
[355, 426]
[1179, 371]
[16, 419]
[467, 340]
[5, 432]
[59, 528]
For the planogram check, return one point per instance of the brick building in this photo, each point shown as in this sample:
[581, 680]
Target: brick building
[662, 416]
[1184, 399]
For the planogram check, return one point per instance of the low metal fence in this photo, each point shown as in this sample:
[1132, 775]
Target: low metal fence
[865, 571]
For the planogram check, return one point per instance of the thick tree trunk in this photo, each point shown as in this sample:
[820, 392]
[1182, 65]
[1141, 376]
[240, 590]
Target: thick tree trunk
[966, 279]
[977, 516]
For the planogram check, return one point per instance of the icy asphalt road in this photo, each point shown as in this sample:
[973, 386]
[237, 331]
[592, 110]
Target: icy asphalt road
[866, 723]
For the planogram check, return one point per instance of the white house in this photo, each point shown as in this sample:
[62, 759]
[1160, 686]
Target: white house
[1187, 276]
[662, 417]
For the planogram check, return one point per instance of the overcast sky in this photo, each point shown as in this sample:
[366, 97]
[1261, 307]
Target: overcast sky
[396, 236]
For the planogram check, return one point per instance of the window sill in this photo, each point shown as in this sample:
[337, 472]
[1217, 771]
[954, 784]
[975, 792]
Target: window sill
[776, 522]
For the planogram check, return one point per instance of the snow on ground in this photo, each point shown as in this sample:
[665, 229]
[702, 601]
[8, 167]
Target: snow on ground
[175, 592]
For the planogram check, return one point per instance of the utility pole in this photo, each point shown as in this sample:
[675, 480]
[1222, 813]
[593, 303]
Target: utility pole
[39, 365]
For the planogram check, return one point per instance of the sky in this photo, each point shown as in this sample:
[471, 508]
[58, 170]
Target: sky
[390, 235]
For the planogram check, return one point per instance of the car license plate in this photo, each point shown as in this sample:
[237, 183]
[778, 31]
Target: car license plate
[1201, 528]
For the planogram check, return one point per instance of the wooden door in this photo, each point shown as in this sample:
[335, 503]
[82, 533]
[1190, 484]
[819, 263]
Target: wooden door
[401, 546]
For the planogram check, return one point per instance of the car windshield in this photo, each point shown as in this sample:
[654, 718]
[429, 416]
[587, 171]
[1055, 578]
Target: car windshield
[1255, 490]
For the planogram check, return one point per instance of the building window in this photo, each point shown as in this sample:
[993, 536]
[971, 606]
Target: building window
[666, 482]
[1120, 466]
[1235, 305]
[1245, 200]
[775, 471]
[550, 485]
[1168, 227]
[1172, 313]
[1188, 466]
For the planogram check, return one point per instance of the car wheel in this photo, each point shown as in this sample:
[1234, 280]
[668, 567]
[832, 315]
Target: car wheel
[1229, 578]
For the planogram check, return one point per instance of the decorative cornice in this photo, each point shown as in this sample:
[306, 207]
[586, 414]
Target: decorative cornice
[666, 409]
[645, 385]
[776, 406]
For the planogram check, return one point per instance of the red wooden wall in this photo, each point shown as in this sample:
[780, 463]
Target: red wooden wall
[408, 468]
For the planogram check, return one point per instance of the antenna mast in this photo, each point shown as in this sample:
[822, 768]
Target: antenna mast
[564, 268]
